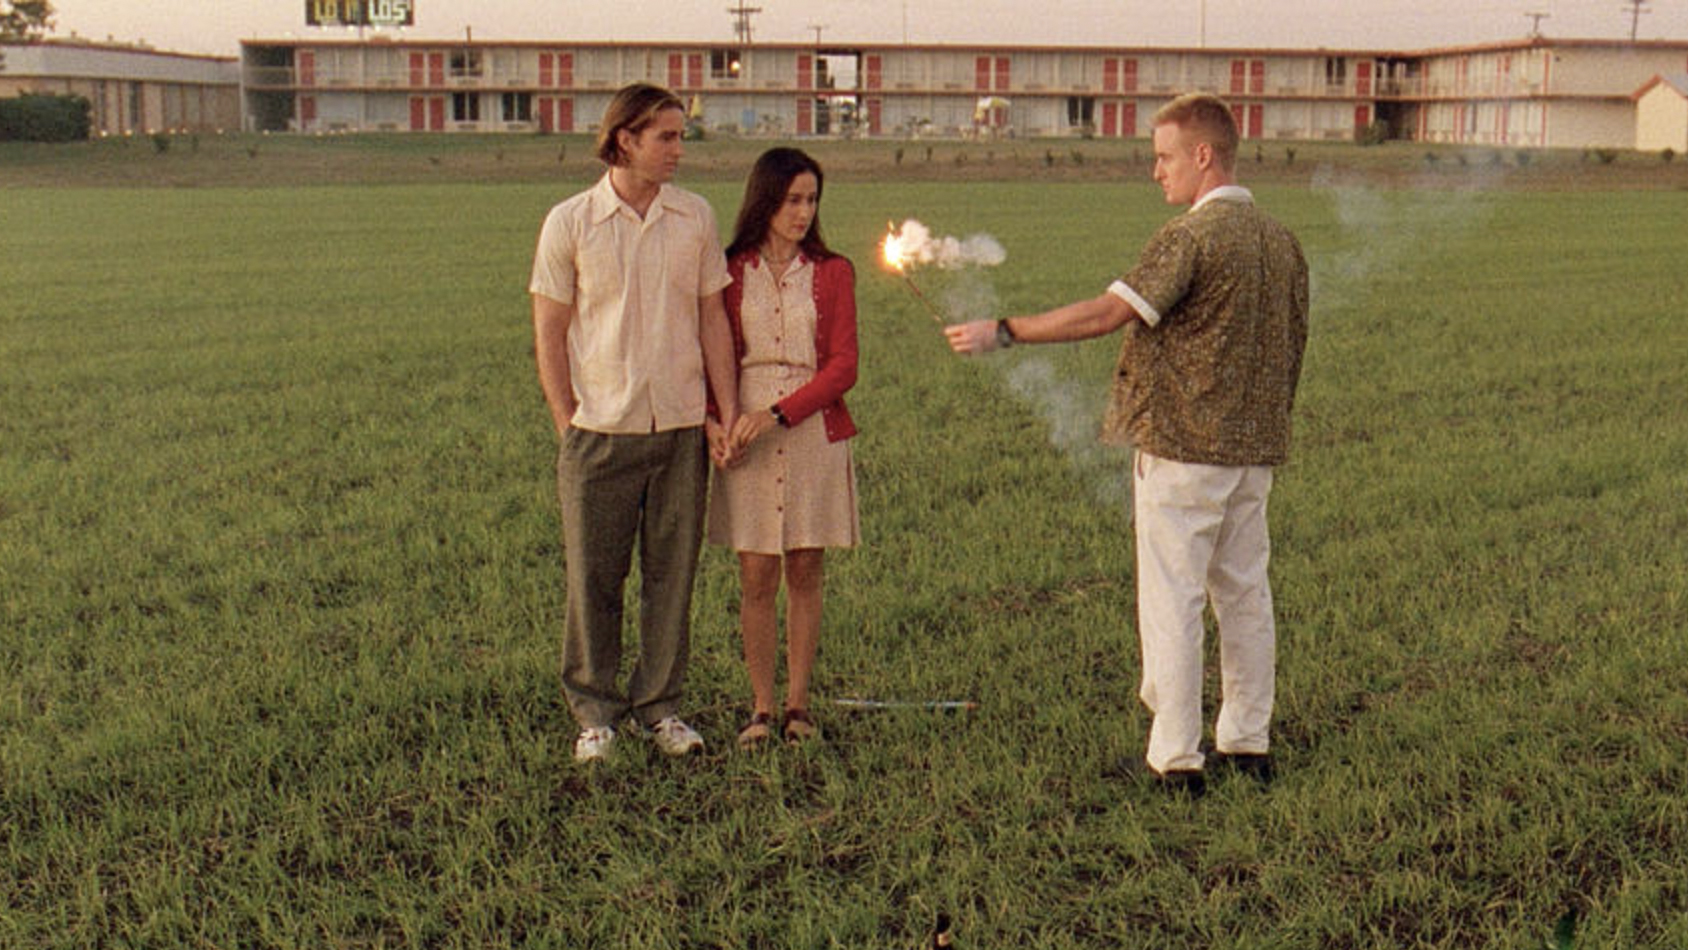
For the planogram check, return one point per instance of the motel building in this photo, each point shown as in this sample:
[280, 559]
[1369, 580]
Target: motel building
[1533, 93]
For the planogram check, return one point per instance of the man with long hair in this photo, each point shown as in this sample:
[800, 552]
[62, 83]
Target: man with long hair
[631, 338]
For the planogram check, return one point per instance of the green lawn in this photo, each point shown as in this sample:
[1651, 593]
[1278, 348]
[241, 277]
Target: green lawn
[280, 596]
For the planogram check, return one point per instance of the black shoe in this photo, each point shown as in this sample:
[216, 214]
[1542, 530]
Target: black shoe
[1255, 765]
[1186, 783]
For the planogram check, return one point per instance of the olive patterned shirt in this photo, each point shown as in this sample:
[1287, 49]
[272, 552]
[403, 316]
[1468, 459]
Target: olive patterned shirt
[1208, 375]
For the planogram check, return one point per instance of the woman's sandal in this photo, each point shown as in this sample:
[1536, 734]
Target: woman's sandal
[757, 731]
[799, 727]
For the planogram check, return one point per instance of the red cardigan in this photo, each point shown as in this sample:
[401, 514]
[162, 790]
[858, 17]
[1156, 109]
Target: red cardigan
[835, 342]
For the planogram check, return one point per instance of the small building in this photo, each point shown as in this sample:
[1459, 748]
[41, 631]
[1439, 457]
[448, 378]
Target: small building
[1661, 114]
[130, 89]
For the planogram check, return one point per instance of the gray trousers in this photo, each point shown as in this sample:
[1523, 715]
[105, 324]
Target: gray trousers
[615, 489]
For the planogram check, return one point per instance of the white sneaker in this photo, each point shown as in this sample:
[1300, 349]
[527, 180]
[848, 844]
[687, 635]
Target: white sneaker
[675, 737]
[593, 744]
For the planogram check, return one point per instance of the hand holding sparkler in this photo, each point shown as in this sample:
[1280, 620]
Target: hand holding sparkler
[974, 336]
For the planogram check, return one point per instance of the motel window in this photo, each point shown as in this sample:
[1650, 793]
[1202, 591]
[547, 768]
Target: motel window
[518, 107]
[465, 107]
[465, 63]
[725, 64]
[1081, 112]
[1336, 72]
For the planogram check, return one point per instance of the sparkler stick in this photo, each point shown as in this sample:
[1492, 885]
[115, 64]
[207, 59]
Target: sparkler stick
[921, 297]
[942, 704]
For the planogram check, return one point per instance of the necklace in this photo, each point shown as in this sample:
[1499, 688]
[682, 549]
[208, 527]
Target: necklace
[778, 263]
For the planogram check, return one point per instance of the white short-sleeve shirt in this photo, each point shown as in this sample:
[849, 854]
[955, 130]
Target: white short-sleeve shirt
[635, 285]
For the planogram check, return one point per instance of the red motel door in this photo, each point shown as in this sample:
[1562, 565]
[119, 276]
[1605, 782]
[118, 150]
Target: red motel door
[1110, 78]
[805, 116]
[547, 74]
[556, 114]
[307, 68]
[875, 69]
[694, 71]
[1128, 76]
[1362, 78]
[676, 70]
[982, 74]
[1256, 120]
[427, 113]
[418, 69]
[1002, 73]
[805, 72]
[1257, 76]
[874, 110]
[1110, 119]
[1362, 118]
[1239, 77]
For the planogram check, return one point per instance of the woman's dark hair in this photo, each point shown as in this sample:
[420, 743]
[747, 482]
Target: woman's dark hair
[764, 194]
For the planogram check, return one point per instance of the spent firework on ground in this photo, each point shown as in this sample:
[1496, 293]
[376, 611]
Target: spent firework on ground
[913, 245]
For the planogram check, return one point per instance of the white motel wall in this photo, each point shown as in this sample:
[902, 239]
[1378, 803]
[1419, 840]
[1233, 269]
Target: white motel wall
[1530, 94]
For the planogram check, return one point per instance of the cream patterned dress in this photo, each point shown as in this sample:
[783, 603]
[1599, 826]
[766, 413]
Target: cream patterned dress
[793, 489]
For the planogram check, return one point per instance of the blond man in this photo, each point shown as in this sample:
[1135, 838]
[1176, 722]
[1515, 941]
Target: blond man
[1215, 322]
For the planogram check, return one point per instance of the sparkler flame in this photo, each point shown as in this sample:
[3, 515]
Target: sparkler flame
[897, 250]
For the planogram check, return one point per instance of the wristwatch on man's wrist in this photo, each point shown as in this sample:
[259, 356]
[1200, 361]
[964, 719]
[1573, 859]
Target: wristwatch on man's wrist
[1004, 336]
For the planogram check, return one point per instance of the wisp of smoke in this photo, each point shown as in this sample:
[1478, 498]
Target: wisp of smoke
[1385, 233]
[1073, 413]
[923, 247]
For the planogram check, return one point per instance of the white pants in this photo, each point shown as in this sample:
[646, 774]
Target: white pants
[1201, 536]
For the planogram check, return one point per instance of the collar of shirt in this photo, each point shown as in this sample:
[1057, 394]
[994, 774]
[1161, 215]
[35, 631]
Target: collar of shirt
[606, 203]
[1225, 193]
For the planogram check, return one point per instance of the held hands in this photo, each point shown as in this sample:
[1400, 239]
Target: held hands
[720, 443]
[727, 447]
[750, 427]
[977, 336]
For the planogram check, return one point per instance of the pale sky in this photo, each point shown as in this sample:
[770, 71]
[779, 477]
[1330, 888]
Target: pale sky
[218, 26]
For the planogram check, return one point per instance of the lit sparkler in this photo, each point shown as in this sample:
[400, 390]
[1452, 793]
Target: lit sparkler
[896, 254]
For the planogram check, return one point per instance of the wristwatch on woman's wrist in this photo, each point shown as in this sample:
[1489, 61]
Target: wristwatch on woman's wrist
[779, 417]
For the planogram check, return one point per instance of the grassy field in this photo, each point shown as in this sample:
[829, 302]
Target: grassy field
[280, 579]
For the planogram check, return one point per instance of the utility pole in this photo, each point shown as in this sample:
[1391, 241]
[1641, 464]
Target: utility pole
[1535, 23]
[817, 27]
[741, 21]
[1636, 8]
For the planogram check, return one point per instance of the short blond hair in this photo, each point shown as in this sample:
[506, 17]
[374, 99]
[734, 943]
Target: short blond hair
[633, 108]
[1209, 119]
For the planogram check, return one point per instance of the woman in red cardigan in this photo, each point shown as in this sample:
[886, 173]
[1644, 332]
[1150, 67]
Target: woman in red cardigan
[790, 492]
